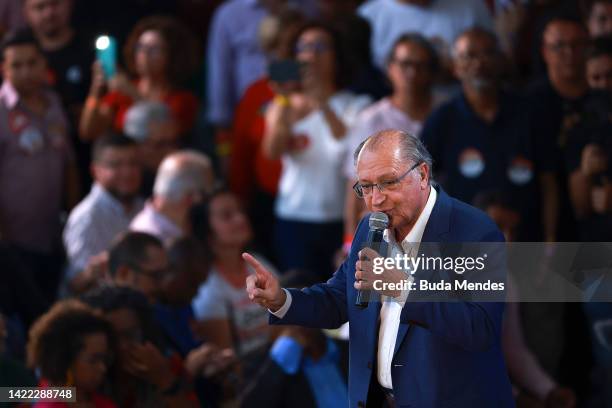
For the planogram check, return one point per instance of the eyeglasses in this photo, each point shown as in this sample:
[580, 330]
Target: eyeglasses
[408, 63]
[156, 274]
[115, 164]
[366, 189]
[153, 50]
[317, 47]
[563, 46]
[484, 55]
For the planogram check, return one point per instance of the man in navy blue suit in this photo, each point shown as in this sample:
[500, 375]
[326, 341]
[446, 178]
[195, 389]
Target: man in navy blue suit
[403, 353]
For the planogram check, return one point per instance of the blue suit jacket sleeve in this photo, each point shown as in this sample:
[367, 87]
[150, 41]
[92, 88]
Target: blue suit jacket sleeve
[474, 326]
[324, 305]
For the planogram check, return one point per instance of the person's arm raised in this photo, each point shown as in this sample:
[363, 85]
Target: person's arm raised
[277, 135]
[263, 288]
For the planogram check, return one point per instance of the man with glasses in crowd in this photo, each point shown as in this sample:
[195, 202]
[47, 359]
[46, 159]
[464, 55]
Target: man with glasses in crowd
[139, 261]
[413, 356]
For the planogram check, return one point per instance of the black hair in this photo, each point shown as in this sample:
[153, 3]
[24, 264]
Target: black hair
[57, 338]
[200, 215]
[563, 14]
[343, 70]
[112, 140]
[108, 299]
[421, 41]
[19, 38]
[188, 251]
[130, 249]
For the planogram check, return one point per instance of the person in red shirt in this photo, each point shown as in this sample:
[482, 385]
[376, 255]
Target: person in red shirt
[160, 54]
[252, 176]
[72, 346]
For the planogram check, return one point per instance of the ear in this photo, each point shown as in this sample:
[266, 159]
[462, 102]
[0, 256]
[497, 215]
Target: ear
[424, 173]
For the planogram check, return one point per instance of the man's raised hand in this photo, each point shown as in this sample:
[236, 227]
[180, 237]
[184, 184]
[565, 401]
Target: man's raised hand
[263, 287]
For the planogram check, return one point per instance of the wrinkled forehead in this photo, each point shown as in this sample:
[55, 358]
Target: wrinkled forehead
[476, 40]
[376, 162]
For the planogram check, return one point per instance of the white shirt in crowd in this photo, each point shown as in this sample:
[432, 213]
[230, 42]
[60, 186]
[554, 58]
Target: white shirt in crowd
[151, 221]
[93, 224]
[391, 309]
[218, 299]
[312, 184]
[441, 21]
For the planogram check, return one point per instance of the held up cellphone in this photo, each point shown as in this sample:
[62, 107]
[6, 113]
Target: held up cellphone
[106, 53]
[284, 71]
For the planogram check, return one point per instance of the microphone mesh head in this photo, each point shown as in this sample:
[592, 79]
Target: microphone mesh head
[379, 221]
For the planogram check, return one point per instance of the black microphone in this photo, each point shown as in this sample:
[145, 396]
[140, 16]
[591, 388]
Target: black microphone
[378, 224]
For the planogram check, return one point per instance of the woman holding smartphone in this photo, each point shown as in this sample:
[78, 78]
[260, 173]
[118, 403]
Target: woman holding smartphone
[306, 130]
[160, 54]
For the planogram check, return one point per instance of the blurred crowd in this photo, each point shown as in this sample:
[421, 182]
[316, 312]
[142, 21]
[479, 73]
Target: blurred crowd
[126, 200]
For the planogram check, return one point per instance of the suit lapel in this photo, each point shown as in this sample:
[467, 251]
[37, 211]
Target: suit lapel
[437, 225]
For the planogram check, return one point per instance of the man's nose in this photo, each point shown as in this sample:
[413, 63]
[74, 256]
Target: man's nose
[377, 197]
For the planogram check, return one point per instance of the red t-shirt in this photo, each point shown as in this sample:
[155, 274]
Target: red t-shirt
[248, 165]
[98, 400]
[182, 104]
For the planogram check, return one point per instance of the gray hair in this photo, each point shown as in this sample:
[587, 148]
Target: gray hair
[141, 116]
[412, 148]
[182, 173]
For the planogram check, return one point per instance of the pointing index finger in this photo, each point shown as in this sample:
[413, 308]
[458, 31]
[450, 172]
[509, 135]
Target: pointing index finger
[255, 264]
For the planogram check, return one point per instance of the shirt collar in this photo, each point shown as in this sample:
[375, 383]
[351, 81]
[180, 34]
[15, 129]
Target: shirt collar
[416, 233]
[9, 95]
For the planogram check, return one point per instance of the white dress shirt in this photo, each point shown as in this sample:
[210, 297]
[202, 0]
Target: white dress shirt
[392, 308]
[93, 224]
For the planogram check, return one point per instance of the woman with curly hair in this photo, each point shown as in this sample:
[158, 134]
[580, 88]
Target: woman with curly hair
[160, 55]
[72, 346]
[149, 374]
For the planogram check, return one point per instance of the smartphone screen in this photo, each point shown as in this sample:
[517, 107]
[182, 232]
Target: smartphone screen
[106, 53]
[284, 71]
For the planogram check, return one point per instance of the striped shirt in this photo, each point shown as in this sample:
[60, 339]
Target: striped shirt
[93, 224]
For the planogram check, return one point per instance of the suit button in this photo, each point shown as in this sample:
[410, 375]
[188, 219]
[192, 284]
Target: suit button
[369, 365]
[360, 404]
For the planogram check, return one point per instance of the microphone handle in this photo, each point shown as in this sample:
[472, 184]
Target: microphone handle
[375, 238]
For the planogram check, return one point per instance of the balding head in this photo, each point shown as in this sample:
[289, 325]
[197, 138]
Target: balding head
[475, 34]
[408, 148]
[182, 173]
